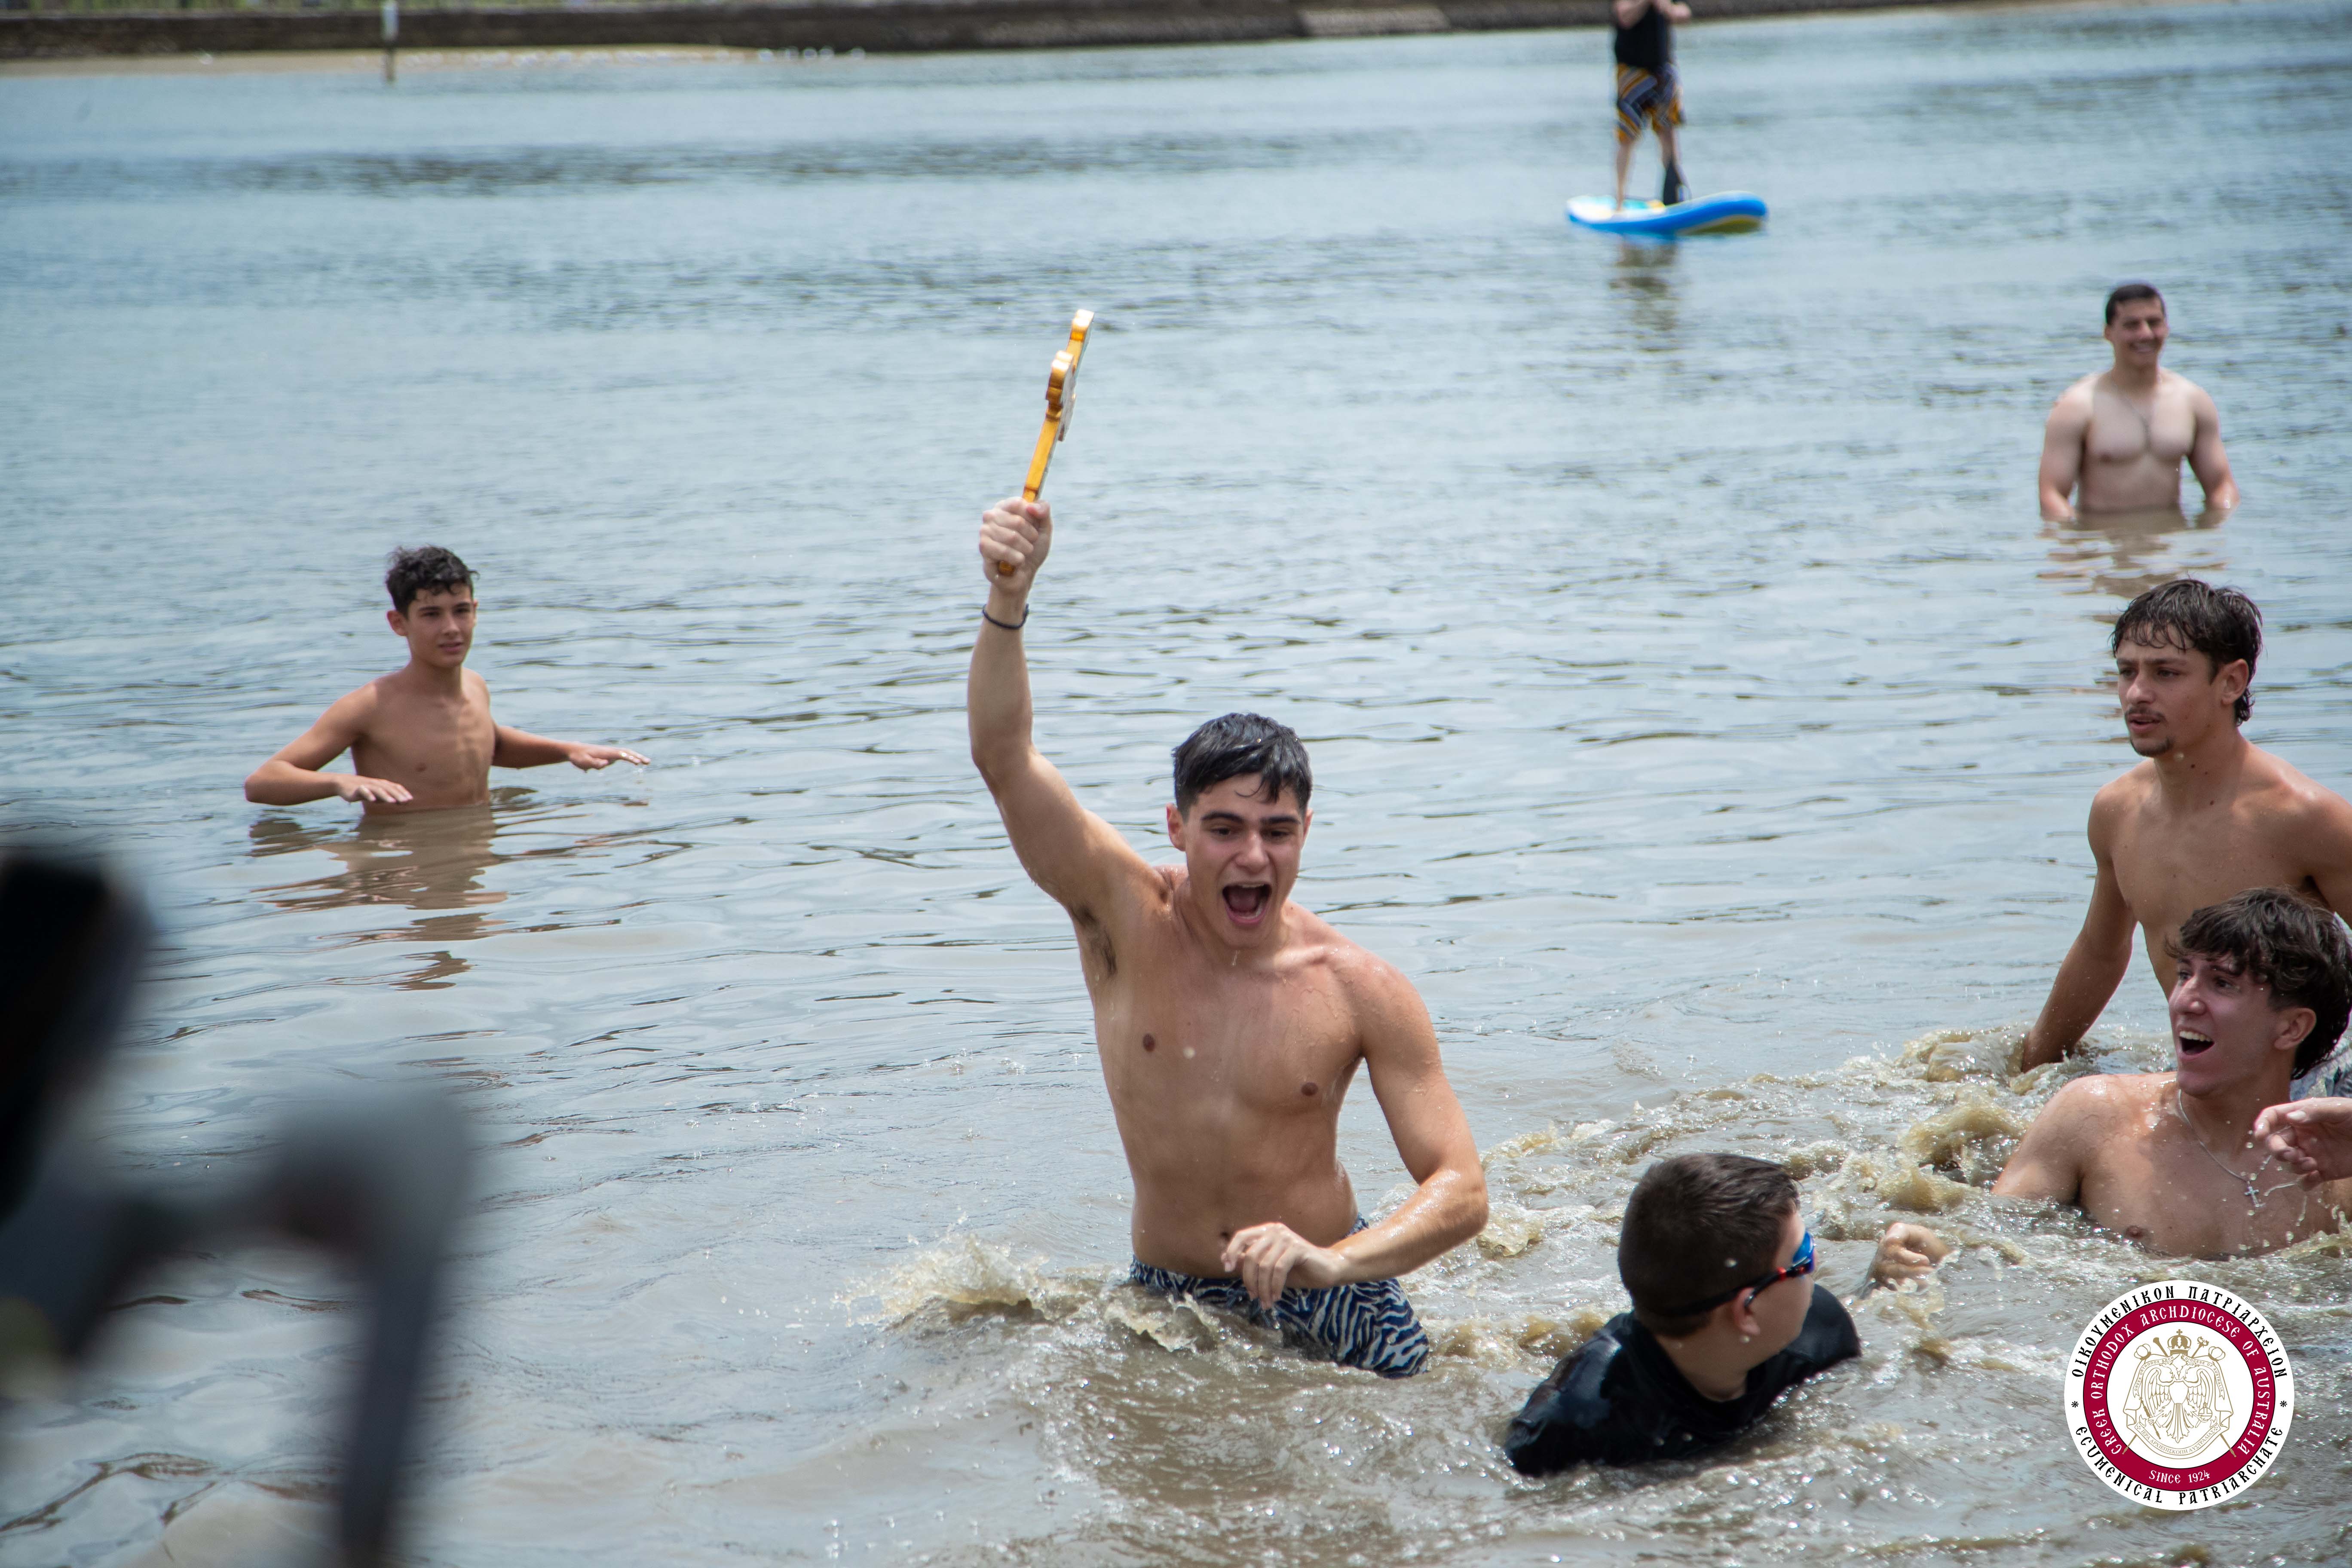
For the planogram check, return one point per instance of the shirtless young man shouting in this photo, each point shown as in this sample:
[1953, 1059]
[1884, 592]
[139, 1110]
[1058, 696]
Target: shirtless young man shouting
[2264, 982]
[2207, 815]
[1229, 1021]
[2122, 432]
[421, 738]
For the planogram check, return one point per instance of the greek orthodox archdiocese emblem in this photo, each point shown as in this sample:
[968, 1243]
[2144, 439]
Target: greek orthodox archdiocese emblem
[2178, 1394]
[2178, 1404]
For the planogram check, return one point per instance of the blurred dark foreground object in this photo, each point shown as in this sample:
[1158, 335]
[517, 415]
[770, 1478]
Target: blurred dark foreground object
[378, 1181]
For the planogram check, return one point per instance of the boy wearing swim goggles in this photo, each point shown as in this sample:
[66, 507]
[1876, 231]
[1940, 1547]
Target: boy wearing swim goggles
[1716, 1257]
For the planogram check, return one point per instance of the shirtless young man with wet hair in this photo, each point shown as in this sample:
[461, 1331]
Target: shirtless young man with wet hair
[2263, 984]
[2207, 815]
[1229, 1021]
[2122, 432]
[421, 738]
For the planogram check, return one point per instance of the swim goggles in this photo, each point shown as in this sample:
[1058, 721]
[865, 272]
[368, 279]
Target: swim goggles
[1800, 1265]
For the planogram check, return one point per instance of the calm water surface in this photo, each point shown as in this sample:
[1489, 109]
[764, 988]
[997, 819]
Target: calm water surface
[1702, 717]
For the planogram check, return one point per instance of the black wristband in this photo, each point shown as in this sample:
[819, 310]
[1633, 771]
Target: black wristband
[1008, 625]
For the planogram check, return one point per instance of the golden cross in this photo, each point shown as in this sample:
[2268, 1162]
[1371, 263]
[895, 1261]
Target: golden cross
[1061, 393]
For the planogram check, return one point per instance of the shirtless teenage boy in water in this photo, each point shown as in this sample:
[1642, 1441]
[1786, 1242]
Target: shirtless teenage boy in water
[1229, 1021]
[2123, 431]
[2170, 1159]
[421, 738]
[2207, 815]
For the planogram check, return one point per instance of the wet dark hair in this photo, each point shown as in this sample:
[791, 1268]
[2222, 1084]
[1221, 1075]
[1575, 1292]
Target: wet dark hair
[2295, 948]
[2125, 293]
[1240, 744]
[426, 569]
[1698, 1225]
[2219, 622]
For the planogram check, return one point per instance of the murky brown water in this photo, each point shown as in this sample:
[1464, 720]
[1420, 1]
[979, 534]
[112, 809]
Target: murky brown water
[1701, 719]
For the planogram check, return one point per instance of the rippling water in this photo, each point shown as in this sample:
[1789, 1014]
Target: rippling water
[1703, 721]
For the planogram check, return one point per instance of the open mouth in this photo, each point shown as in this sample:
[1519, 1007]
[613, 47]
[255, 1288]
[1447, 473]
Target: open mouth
[1245, 903]
[2191, 1043]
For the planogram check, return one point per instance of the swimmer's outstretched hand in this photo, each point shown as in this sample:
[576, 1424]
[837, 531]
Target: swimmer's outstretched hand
[1907, 1251]
[1272, 1256]
[588, 759]
[1016, 533]
[2313, 1138]
[368, 791]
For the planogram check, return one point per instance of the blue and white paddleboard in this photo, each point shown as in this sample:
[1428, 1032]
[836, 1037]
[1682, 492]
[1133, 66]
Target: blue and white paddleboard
[1731, 212]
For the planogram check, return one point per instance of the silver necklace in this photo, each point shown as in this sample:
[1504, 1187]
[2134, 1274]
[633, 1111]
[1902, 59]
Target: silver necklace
[2253, 1198]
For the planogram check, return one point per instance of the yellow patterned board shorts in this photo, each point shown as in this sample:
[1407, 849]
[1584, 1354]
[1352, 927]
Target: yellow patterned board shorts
[1644, 98]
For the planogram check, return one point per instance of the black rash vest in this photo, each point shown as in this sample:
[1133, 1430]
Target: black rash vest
[1618, 1400]
[1649, 43]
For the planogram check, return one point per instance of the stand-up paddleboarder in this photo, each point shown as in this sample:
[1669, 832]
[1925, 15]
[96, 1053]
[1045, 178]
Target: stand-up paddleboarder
[1230, 1022]
[1648, 90]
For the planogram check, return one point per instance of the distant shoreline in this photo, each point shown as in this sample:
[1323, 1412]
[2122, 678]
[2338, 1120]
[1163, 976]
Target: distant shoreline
[807, 26]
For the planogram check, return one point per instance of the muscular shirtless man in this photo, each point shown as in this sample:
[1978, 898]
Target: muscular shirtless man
[2172, 1159]
[1229, 1021]
[2122, 432]
[421, 738]
[2207, 815]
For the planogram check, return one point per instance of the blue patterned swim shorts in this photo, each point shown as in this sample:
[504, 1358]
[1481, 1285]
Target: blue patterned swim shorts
[1647, 97]
[1369, 1324]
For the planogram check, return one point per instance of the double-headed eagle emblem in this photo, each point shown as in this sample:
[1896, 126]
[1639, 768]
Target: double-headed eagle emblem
[2178, 1407]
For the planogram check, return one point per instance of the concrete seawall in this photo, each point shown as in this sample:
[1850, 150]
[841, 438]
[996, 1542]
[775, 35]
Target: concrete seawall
[875, 26]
